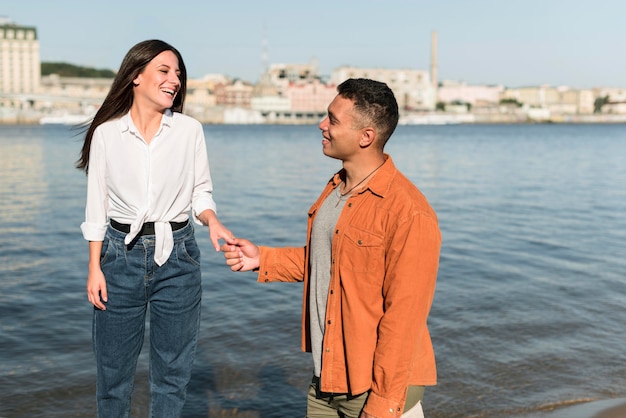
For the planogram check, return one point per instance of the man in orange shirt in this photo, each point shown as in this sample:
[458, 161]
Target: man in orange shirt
[369, 268]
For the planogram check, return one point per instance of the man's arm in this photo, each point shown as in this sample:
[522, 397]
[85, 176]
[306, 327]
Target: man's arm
[273, 264]
[412, 262]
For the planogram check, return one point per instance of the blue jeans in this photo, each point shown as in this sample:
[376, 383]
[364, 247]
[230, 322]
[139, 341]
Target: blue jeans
[172, 292]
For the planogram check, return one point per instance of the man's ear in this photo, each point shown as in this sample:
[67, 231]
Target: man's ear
[368, 136]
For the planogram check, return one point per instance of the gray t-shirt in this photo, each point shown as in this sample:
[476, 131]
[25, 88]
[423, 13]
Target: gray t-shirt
[321, 245]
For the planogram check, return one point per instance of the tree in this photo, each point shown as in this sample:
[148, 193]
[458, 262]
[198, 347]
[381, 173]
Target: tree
[598, 103]
[64, 69]
[510, 101]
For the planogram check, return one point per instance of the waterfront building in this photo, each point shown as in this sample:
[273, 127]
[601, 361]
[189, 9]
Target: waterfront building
[557, 100]
[311, 97]
[235, 94]
[475, 95]
[413, 88]
[20, 66]
[614, 99]
[283, 75]
[70, 94]
[200, 101]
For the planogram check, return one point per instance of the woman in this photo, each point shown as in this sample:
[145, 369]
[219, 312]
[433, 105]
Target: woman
[147, 168]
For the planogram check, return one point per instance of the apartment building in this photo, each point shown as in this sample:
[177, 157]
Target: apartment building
[461, 92]
[311, 97]
[615, 99]
[20, 67]
[561, 100]
[283, 75]
[413, 88]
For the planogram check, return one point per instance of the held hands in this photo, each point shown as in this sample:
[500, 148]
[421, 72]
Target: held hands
[217, 231]
[241, 254]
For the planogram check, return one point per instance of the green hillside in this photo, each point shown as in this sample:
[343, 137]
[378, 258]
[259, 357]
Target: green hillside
[69, 70]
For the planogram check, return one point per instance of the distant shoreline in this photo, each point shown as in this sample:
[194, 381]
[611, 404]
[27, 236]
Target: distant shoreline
[413, 119]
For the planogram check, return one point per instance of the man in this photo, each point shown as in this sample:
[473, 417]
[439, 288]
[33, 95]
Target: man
[369, 268]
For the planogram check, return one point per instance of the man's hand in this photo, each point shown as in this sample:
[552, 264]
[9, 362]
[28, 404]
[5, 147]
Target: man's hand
[241, 254]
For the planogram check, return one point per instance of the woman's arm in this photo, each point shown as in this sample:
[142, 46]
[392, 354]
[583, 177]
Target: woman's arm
[96, 283]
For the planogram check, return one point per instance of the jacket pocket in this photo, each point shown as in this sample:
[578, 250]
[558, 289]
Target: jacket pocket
[363, 251]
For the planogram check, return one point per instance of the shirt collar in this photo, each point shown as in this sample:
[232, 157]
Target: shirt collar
[126, 122]
[379, 183]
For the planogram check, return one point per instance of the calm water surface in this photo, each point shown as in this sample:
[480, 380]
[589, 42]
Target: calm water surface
[529, 309]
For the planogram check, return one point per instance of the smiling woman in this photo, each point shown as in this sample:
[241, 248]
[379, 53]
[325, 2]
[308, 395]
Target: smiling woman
[143, 254]
[155, 89]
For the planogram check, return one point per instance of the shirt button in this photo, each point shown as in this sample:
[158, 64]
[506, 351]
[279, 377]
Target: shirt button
[329, 322]
[328, 350]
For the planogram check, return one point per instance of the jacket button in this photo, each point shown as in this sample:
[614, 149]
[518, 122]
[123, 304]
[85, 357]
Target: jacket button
[360, 242]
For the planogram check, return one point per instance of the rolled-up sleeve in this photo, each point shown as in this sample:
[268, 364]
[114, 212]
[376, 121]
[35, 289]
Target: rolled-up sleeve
[202, 198]
[95, 224]
[281, 264]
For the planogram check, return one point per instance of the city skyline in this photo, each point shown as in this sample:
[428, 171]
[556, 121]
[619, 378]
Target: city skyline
[553, 42]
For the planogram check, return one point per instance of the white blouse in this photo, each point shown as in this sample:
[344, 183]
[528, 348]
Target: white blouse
[134, 182]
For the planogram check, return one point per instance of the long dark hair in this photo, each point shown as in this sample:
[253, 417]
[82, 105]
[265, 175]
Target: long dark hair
[120, 97]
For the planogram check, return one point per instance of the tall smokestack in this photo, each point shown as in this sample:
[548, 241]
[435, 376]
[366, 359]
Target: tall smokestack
[433, 60]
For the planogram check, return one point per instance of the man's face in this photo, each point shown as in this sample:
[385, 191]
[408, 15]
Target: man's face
[340, 135]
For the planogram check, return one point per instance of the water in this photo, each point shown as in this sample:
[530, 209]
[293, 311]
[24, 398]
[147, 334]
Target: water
[528, 312]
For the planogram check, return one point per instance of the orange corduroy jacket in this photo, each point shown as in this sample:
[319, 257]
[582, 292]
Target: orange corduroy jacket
[385, 257]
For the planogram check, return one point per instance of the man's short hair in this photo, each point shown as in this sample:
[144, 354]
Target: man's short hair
[375, 102]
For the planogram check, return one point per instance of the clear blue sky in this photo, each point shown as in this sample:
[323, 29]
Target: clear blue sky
[579, 43]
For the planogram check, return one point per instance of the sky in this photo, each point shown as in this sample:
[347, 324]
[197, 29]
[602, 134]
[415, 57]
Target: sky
[575, 43]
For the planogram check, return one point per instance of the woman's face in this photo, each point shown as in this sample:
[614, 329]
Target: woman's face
[158, 84]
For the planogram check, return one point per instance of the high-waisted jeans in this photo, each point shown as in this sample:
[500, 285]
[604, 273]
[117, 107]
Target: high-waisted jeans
[172, 293]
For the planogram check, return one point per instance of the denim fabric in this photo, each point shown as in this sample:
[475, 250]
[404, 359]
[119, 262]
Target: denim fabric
[172, 293]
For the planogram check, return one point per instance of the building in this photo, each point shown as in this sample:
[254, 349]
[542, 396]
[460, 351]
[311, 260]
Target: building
[235, 94]
[20, 66]
[557, 100]
[613, 100]
[413, 88]
[283, 75]
[311, 97]
[475, 95]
